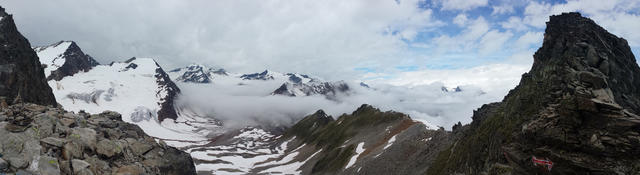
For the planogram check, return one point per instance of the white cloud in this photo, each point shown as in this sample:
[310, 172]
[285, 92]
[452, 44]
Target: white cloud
[239, 35]
[618, 16]
[462, 4]
[493, 41]
[514, 23]
[528, 39]
[502, 9]
[460, 19]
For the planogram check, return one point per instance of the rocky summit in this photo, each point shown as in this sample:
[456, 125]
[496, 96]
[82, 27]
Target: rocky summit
[575, 112]
[44, 140]
[21, 75]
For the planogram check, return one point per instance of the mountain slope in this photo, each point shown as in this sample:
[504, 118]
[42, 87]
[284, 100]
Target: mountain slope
[63, 59]
[368, 141]
[576, 107]
[138, 88]
[21, 74]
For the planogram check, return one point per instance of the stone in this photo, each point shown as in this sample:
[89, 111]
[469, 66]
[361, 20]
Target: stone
[23, 172]
[594, 80]
[15, 128]
[79, 165]
[4, 165]
[48, 166]
[72, 150]
[85, 136]
[58, 142]
[98, 166]
[68, 122]
[140, 148]
[108, 124]
[18, 162]
[44, 125]
[129, 170]
[108, 148]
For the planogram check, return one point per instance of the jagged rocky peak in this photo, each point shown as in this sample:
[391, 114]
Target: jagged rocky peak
[64, 58]
[328, 89]
[575, 108]
[194, 73]
[594, 56]
[197, 73]
[21, 73]
[265, 75]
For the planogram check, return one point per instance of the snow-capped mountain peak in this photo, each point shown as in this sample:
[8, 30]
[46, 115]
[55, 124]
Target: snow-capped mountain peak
[194, 73]
[138, 88]
[64, 58]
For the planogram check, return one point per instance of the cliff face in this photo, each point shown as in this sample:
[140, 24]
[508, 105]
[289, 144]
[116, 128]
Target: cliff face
[21, 75]
[576, 108]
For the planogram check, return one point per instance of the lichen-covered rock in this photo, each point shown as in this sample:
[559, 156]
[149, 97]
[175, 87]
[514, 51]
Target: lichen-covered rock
[89, 148]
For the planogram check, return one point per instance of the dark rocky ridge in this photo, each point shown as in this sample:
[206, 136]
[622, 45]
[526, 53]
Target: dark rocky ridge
[167, 108]
[577, 107]
[37, 139]
[391, 143]
[21, 75]
[75, 61]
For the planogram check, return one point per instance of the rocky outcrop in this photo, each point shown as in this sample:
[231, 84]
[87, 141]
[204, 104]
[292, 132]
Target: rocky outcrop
[74, 60]
[575, 112]
[168, 87]
[36, 139]
[21, 75]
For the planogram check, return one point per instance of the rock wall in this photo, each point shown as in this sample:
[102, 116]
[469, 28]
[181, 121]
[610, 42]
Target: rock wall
[21, 74]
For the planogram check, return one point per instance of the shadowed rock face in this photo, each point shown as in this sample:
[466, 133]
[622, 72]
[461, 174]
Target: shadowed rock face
[21, 75]
[167, 109]
[577, 107]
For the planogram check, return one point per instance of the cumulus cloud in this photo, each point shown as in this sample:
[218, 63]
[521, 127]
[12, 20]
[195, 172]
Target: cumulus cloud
[619, 16]
[460, 19]
[502, 9]
[462, 4]
[239, 35]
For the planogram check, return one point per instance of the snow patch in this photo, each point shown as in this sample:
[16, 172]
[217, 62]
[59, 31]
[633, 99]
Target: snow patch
[354, 158]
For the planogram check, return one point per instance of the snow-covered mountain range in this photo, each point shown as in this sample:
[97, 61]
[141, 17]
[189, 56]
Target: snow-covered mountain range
[144, 94]
[292, 84]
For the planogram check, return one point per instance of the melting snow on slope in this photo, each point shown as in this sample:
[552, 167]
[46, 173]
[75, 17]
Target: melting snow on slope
[390, 142]
[353, 159]
[251, 146]
[291, 168]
